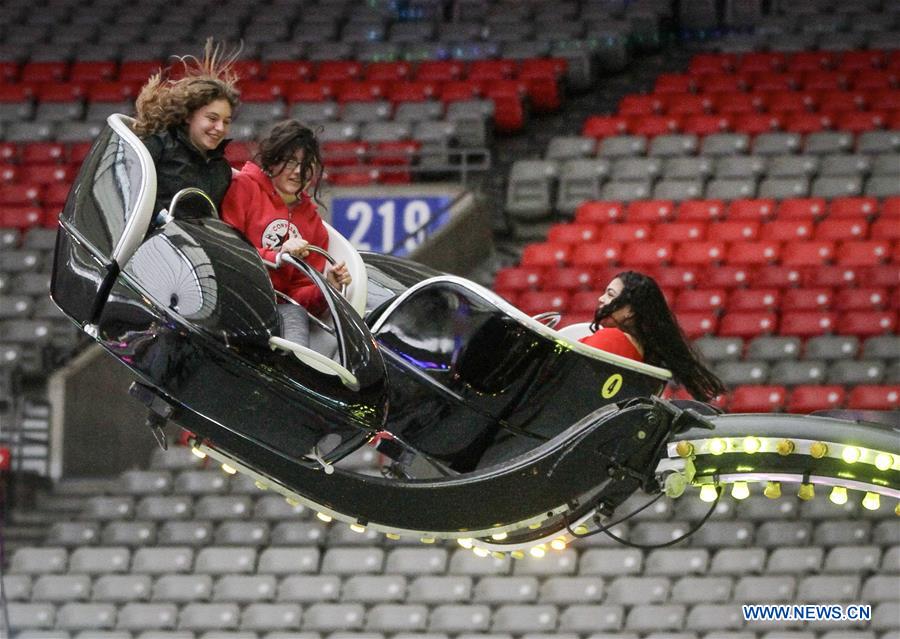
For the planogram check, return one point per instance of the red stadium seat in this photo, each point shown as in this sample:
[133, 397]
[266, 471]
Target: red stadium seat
[248, 69]
[737, 102]
[413, 91]
[861, 299]
[584, 302]
[343, 153]
[20, 194]
[9, 152]
[650, 211]
[601, 126]
[388, 71]
[636, 104]
[44, 72]
[653, 125]
[803, 61]
[682, 104]
[787, 103]
[861, 60]
[95, 71]
[831, 277]
[747, 325]
[9, 173]
[810, 253]
[807, 299]
[699, 253]
[534, 302]
[776, 276]
[439, 70]
[786, 230]
[310, 92]
[736, 231]
[697, 325]
[458, 90]
[704, 63]
[752, 253]
[807, 399]
[393, 157]
[545, 254]
[544, 92]
[873, 80]
[680, 231]
[491, 69]
[757, 399]
[643, 254]
[700, 300]
[824, 80]
[723, 276]
[863, 253]
[753, 299]
[138, 70]
[860, 121]
[806, 208]
[700, 210]
[20, 217]
[756, 209]
[112, 91]
[852, 207]
[774, 81]
[674, 83]
[841, 101]
[874, 397]
[706, 124]
[884, 100]
[362, 91]
[885, 229]
[43, 152]
[290, 71]
[626, 232]
[807, 323]
[80, 150]
[569, 279]
[806, 122]
[518, 279]
[891, 207]
[509, 108]
[756, 123]
[572, 233]
[842, 229]
[361, 177]
[9, 71]
[599, 212]
[44, 174]
[55, 195]
[338, 70]
[595, 254]
[260, 91]
[534, 67]
[762, 62]
[867, 323]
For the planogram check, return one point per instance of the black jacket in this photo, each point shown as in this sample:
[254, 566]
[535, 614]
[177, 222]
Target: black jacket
[179, 164]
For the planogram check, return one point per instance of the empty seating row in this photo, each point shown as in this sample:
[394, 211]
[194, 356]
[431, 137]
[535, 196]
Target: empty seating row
[803, 61]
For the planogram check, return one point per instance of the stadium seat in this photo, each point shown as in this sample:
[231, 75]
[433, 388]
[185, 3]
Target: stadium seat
[757, 399]
[873, 397]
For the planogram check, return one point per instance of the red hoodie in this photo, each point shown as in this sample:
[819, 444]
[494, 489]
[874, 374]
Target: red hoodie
[254, 207]
[612, 340]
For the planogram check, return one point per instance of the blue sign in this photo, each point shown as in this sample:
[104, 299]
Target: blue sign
[395, 225]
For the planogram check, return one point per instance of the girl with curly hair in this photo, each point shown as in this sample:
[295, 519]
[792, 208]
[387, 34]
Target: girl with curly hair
[184, 123]
[634, 320]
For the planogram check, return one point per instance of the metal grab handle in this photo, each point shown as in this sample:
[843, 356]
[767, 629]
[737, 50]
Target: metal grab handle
[192, 190]
[315, 249]
[548, 318]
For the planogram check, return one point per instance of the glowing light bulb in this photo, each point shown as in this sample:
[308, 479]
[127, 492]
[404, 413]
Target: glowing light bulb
[772, 490]
[897, 509]
[198, 453]
[850, 454]
[261, 485]
[717, 446]
[558, 544]
[537, 552]
[871, 501]
[498, 555]
[684, 449]
[481, 552]
[229, 469]
[785, 447]
[751, 445]
[883, 461]
[324, 517]
[740, 490]
[708, 493]
[466, 542]
[581, 530]
[426, 540]
[806, 492]
[499, 536]
[818, 450]
[838, 495]
[393, 536]
[517, 554]
[357, 528]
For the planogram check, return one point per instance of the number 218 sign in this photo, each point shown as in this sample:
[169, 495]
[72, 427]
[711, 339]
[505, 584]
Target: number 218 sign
[385, 225]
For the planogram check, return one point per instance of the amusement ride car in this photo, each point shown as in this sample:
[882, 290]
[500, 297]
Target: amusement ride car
[494, 429]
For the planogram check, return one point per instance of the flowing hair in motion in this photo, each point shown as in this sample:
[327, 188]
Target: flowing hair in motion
[165, 102]
[280, 145]
[658, 332]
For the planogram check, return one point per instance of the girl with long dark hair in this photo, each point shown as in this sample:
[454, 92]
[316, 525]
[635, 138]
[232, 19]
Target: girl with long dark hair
[634, 320]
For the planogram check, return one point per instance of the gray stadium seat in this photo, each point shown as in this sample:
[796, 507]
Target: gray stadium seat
[721, 144]
[71, 533]
[621, 146]
[637, 590]
[566, 590]
[314, 112]
[795, 560]
[625, 191]
[200, 482]
[579, 181]
[289, 560]
[873, 142]
[470, 118]
[529, 193]
[831, 347]
[162, 560]
[275, 507]
[17, 587]
[200, 616]
[803, 372]
[61, 588]
[828, 143]
[418, 111]
[164, 508]
[760, 508]
[678, 190]
[765, 589]
[828, 588]
[592, 618]
[270, 616]
[23, 616]
[887, 164]
[189, 532]
[387, 617]
[851, 373]
[717, 534]
[781, 166]
[128, 533]
[85, 616]
[636, 169]
[730, 188]
[878, 588]
[224, 560]
[703, 617]
[374, 589]
[240, 533]
[325, 617]
[772, 534]
[217, 507]
[883, 346]
[697, 590]
[850, 559]
[782, 188]
[676, 562]
[297, 533]
[518, 619]
[676, 168]
[740, 167]
[776, 144]
[834, 165]
[494, 590]
[553, 563]
[770, 348]
[888, 535]
[309, 588]
[570, 147]
[100, 560]
[843, 533]
[436, 589]
[121, 588]
[837, 186]
[147, 616]
[667, 146]
[105, 508]
[610, 562]
[30, 131]
[416, 561]
[885, 616]
[183, 588]
[717, 349]
[882, 186]
[745, 372]
[456, 618]
[465, 562]
[244, 588]
[655, 618]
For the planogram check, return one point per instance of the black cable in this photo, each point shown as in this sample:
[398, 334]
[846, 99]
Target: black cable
[615, 523]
